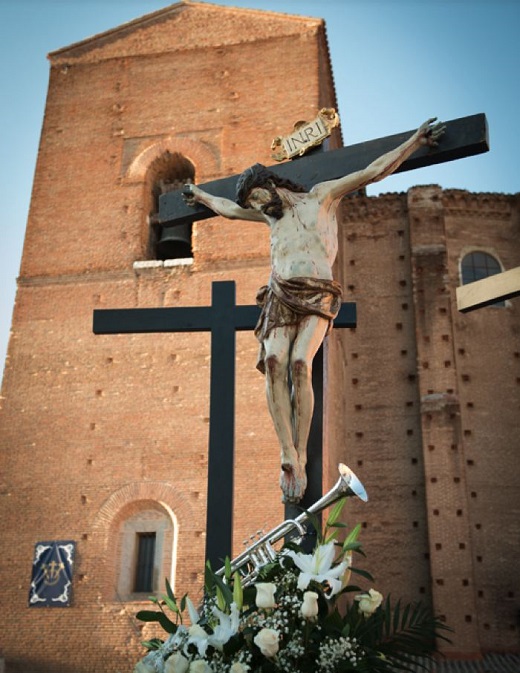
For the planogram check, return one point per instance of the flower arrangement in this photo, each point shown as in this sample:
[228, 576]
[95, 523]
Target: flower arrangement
[294, 617]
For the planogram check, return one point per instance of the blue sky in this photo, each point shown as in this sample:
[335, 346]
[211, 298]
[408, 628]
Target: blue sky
[395, 63]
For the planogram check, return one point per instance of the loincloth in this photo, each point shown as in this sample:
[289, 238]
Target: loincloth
[290, 301]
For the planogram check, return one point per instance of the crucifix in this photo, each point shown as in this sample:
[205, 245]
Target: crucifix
[274, 198]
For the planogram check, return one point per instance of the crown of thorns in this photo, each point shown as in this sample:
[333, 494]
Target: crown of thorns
[260, 176]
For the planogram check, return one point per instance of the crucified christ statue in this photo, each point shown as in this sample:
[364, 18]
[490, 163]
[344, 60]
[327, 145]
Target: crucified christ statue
[301, 299]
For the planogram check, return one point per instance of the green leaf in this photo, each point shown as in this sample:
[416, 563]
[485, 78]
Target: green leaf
[172, 604]
[148, 616]
[353, 535]
[363, 573]
[335, 512]
[238, 594]
[169, 589]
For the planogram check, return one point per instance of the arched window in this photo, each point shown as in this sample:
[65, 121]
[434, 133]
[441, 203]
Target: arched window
[146, 539]
[477, 265]
[168, 172]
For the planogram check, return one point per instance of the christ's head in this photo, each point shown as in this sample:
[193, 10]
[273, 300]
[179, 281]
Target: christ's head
[256, 188]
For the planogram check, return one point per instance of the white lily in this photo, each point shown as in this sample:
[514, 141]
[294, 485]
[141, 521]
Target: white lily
[198, 637]
[192, 611]
[318, 566]
[227, 627]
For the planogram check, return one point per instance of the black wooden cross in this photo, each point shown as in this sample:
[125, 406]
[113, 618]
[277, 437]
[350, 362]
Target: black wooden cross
[223, 318]
[463, 137]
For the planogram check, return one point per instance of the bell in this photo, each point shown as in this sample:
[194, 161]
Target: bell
[175, 242]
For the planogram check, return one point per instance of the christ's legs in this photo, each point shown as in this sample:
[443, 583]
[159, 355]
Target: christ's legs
[310, 336]
[290, 398]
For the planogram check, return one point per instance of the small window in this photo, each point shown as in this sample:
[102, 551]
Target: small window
[478, 265]
[167, 173]
[145, 562]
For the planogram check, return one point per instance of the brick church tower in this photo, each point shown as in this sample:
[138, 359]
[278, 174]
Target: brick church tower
[104, 438]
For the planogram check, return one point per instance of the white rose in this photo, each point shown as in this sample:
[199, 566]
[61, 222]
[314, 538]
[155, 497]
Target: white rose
[368, 603]
[237, 667]
[265, 595]
[199, 666]
[309, 607]
[177, 663]
[267, 641]
[143, 667]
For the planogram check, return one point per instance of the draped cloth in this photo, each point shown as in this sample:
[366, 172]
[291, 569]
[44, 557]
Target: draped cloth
[290, 301]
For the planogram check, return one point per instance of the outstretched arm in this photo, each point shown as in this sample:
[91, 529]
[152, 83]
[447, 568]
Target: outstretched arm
[427, 134]
[220, 205]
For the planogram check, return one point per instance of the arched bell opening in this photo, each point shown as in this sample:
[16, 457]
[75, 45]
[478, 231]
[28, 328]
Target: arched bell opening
[167, 173]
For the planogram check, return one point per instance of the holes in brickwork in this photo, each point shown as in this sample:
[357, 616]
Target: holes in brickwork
[83, 499]
[470, 405]
[352, 262]
[438, 546]
[443, 310]
[359, 435]
[425, 364]
[414, 493]
[473, 494]
[414, 461]
[415, 524]
[479, 559]
[99, 392]
[478, 526]
[109, 361]
[404, 352]
[403, 283]
[445, 337]
[466, 378]
[359, 463]
[459, 512]
[456, 480]
[355, 381]
[454, 447]
[468, 618]
[447, 363]
[89, 461]
[433, 480]
[400, 232]
[364, 524]
[358, 407]
[92, 426]
[462, 545]
[398, 325]
[411, 377]
[461, 351]
[465, 583]
[409, 432]
[467, 433]
[404, 307]
[431, 447]
[84, 536]
[436, 512]
[439, 582]
[355, 356]
[422, 590]
[409, 404]
[470, 463]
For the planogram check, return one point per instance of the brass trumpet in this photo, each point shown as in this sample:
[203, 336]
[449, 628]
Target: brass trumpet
[249, 563]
